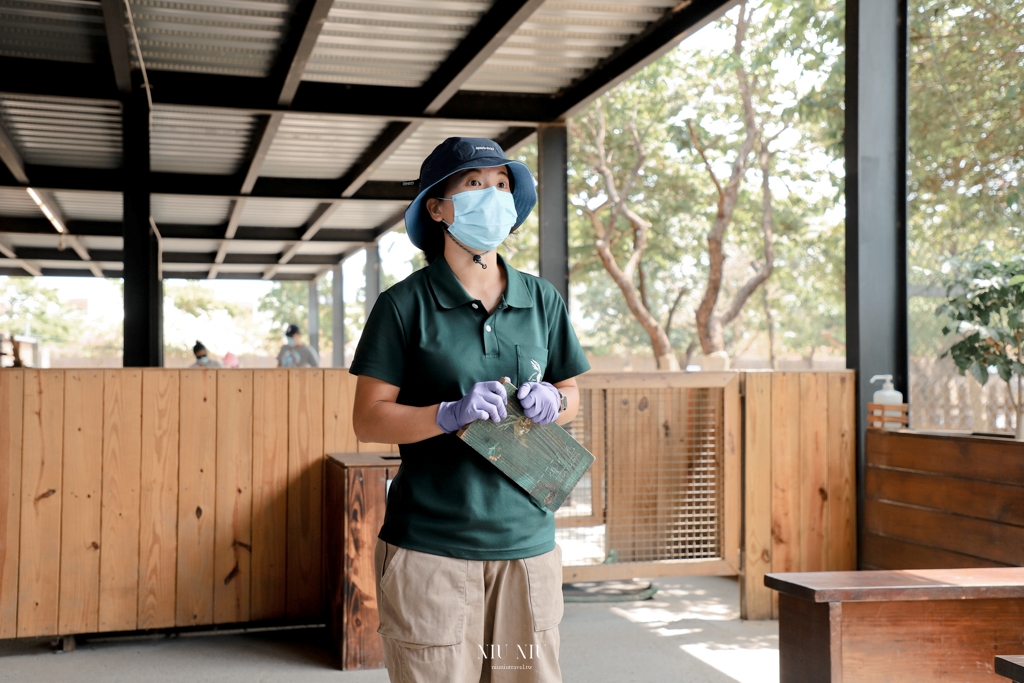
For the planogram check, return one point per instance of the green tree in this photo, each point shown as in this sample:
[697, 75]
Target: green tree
[27, 307]
[966, 149]
[696, 179]
[986, 310]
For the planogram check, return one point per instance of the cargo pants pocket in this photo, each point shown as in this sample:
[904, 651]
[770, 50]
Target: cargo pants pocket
[422, 598]
[544, 573]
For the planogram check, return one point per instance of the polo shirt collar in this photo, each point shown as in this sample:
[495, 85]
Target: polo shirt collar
[450, 293]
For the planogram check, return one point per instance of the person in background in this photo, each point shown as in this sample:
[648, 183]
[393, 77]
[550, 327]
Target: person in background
[230, 360]
[203, 359]
[295, 354]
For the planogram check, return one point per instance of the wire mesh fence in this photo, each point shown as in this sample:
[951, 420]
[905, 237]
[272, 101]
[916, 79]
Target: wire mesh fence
[654, 492]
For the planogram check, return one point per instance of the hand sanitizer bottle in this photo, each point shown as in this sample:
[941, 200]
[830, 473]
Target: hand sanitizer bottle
[889, 396]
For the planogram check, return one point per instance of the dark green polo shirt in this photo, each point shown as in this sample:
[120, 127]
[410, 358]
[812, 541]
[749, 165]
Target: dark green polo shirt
[429, 337]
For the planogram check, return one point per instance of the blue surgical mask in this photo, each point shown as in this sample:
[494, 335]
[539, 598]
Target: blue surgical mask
[483, 218]
[290, 341]
[203, 360]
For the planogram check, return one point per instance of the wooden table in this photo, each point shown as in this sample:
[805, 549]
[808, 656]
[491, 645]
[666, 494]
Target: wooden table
[354, 500]
[1011, 667]
[904, 626]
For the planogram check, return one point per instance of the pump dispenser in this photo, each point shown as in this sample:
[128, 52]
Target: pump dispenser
[889, 396]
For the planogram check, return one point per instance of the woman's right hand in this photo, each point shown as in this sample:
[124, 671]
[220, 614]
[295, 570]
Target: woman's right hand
[485, 400]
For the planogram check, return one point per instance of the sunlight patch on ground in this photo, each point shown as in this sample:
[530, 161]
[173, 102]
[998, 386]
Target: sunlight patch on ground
[741, 663]
[701, 614]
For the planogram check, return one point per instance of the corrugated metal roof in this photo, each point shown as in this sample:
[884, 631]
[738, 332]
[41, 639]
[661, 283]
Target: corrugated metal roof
[405, 163]
[189, 210]
[236, 37]
[390, 42]
[261, 212]
[63, 30]
[195, 246]
[196, 140]
[55, 131]
[16, 202]
[562, 41]
[310, 146]
[362, 214]
[90, 206]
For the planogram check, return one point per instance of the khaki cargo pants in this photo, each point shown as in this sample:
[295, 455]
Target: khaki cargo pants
[447, 620]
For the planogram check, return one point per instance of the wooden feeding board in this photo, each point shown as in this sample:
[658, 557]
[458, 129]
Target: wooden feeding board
[542, 459]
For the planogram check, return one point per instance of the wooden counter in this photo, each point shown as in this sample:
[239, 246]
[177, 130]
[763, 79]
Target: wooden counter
[908, 626]
[942, 500]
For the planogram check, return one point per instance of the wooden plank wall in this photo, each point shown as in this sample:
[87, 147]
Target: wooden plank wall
[942, 502]
[799, 479]
[151, 498]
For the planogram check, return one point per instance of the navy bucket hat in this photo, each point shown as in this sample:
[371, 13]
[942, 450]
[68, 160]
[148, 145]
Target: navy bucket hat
[460, 154]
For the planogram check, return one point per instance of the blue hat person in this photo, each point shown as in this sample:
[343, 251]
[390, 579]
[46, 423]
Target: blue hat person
[482, 218]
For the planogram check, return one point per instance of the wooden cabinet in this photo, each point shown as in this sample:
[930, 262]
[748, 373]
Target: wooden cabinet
[355, 497]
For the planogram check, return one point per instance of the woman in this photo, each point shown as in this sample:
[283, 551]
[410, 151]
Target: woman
[468, 574]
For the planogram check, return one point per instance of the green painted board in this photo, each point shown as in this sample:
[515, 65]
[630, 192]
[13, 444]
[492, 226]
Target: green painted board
[543, 459]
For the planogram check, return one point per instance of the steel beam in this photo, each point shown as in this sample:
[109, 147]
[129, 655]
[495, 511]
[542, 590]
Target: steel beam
[372, 273]
[682, 20]
[11, 157]
[117, 42]
[143, 286]
[482, 41]
[306, 23]
[553, 210]
[338, 316]
[58, 178]
[10, 225]
[876, 201]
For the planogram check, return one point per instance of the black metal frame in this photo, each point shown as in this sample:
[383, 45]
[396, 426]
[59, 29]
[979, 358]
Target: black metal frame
[876, 203]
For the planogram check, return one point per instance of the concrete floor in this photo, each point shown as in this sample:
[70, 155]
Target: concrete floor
[689, 632]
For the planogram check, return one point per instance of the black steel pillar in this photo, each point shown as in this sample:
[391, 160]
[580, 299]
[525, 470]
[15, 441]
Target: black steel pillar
[876, 201]
[143, 286]
[338, 317]
[553, 205]
[372, 272]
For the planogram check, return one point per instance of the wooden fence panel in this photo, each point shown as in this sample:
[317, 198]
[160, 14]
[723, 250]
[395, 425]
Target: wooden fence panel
[80, 505]
[755, 598]
[42, 463]
[813, 513]
[197, 494]
[339, 397]
[158, 514]
[732, 474]
[12, 392]
[785, 473]
[812, 469]
[305, 490]
[620, 536]
[234, 496]
[119, 542]
[842, 472]
[269, 494]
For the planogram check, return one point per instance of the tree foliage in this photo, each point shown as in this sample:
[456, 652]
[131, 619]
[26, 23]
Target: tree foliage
[27, 307]
[985, 310]
[708, 174]
[966, 147]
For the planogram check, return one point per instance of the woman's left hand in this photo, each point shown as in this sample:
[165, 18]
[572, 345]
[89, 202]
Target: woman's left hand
[541, 401]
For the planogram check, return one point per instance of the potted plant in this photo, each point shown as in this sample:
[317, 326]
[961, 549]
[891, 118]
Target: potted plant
[985, 307]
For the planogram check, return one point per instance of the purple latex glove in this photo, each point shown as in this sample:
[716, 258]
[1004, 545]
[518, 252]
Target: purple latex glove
[485, 401]
[541, 401]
